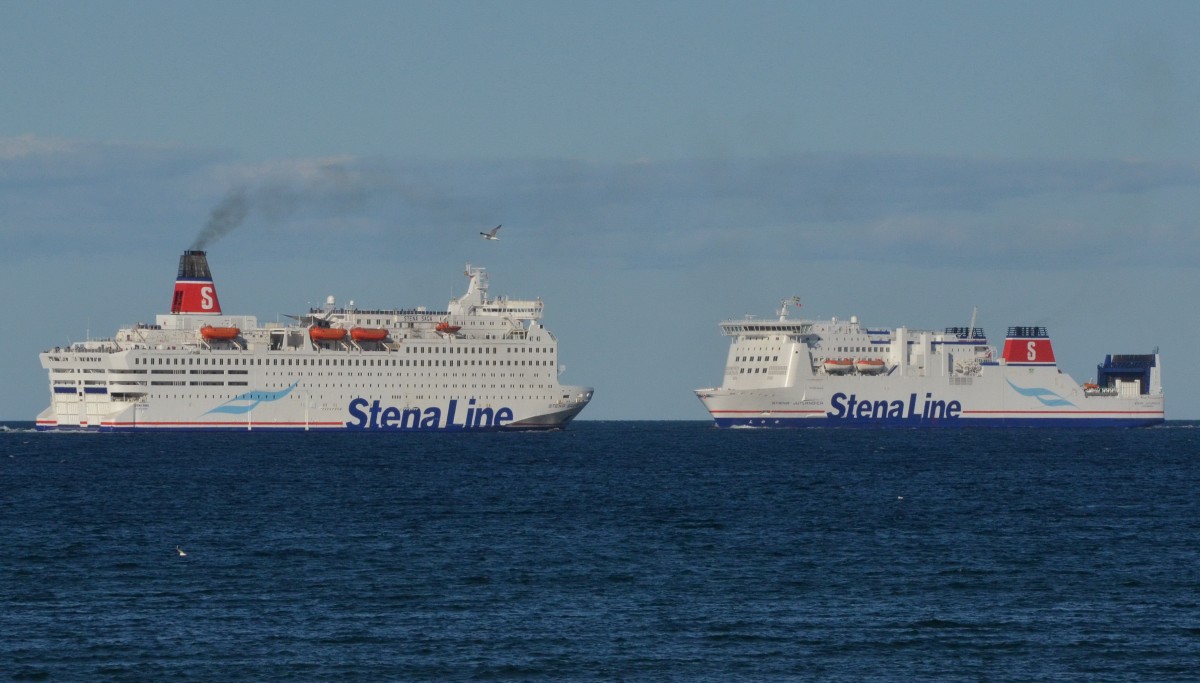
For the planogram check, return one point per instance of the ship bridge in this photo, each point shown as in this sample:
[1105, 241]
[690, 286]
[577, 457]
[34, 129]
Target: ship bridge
[737, 328]
[476, 302]
[750, 326]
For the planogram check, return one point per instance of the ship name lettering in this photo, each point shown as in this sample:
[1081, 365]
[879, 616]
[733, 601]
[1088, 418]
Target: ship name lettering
[366, 414]
[850, 407]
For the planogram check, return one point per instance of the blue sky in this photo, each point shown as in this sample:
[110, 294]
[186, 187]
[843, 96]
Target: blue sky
[658, 167]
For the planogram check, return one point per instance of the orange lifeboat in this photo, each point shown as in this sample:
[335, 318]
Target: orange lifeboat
[219, 333]
[447, 327]
[869, 366]
[368, 334]
[838, 366]
[326, 333]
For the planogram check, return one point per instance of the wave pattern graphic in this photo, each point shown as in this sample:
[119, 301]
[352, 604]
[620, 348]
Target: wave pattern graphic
[1047, 397]
[244, 403]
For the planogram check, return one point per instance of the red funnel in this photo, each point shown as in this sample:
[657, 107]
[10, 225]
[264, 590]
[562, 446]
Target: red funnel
[194, 290]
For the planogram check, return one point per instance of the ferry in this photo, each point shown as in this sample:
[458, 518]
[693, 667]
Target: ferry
[482, 363]
[793, 372]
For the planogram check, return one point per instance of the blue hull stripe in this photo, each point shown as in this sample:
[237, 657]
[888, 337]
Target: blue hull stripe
[958, 423]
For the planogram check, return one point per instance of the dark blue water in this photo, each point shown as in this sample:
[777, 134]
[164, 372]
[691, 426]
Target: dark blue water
[611, 551]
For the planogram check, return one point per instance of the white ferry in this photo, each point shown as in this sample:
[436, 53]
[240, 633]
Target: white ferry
[482, 364]
[837, 373]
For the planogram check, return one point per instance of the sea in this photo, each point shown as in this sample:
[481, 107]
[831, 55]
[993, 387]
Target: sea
[609, 551]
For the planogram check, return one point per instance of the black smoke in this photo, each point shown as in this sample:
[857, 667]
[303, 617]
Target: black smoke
[225, 217]
[332, 188]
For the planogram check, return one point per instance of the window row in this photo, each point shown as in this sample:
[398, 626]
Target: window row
[334, 362]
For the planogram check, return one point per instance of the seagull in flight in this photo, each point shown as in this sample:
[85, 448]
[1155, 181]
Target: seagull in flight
[491, 234]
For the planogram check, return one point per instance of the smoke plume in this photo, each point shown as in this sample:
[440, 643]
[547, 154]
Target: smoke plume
[225, 218]
[329, 187]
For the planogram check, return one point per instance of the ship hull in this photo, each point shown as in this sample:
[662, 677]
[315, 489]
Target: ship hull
[1000, 398]
[300, 408]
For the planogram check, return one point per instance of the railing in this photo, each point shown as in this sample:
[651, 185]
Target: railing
[1028, 332]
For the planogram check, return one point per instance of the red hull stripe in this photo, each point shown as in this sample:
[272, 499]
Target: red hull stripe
[965, 412]
[768, 412]
[1063, 412]
[221, 424]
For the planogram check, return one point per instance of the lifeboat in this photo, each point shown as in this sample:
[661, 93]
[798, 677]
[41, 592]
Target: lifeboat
[869, 366]
[447, 327]
[219, 333]
[838, 366]
[368, 334]
[326, 333]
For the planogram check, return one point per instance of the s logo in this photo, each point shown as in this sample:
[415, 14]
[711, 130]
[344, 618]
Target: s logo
[206, 302]
[1032, 351]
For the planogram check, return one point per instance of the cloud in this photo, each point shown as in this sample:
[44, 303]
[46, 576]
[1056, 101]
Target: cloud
[31, 145]
[92, 197]
[41, 162]
[881, 208]
[685, 213]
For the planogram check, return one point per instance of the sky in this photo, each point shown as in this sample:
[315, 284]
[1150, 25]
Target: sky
[658, 167]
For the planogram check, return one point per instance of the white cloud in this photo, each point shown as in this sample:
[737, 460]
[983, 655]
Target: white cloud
[24, 146]
[881, 208]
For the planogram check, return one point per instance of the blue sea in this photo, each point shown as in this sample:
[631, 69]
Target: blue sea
[611, 551]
